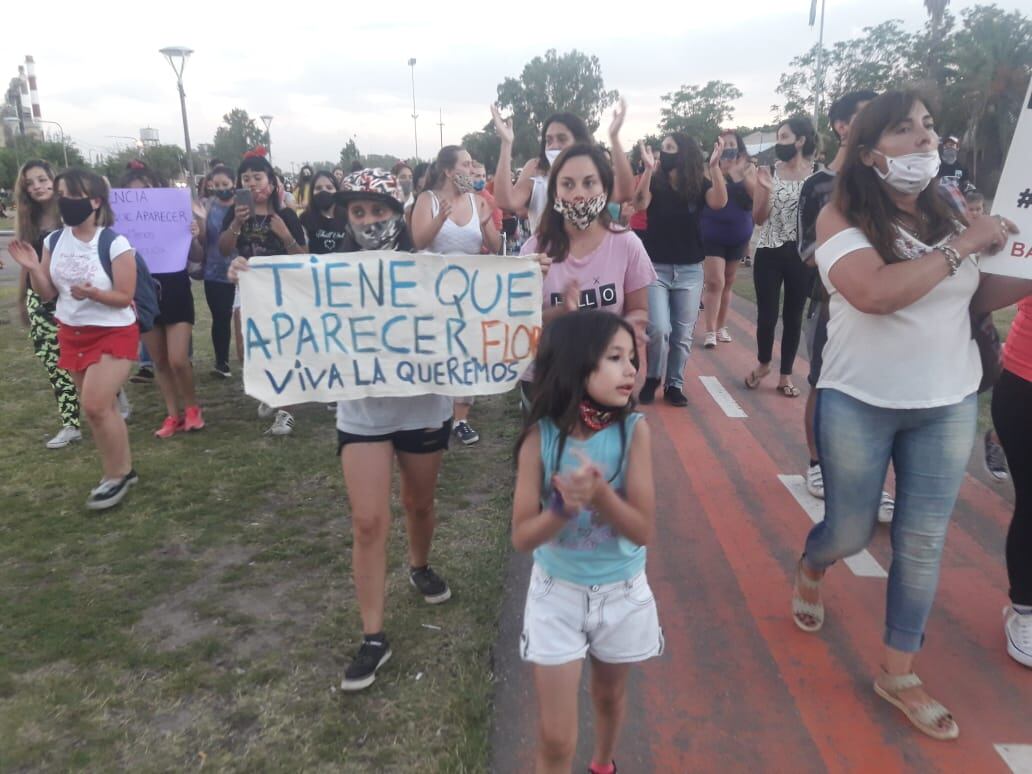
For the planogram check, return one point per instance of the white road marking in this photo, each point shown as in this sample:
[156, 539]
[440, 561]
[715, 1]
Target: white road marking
[862, 564]
[1018, 757]
[722, 397]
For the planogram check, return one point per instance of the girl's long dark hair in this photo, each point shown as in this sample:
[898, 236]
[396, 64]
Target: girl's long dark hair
[261, 164]
[577, 128]
[862, 197]
[446, 160]
[552, 238]
[687, 175]
[570, 349]
[29, 215]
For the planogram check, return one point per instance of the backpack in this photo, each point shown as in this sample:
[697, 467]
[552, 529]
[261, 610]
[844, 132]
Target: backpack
[145, 296]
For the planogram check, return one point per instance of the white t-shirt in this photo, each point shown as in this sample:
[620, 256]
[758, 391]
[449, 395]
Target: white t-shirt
[921, 356]
[77, 263]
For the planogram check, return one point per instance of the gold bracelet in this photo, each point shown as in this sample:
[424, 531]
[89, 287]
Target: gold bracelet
[953, 258]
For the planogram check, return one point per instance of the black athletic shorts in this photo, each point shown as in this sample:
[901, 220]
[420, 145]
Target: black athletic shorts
[175, 298]
[424, 441]
[732, 253]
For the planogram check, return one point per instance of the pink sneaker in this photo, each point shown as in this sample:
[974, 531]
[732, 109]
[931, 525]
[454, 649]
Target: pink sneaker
[194, 420]
[169, 427]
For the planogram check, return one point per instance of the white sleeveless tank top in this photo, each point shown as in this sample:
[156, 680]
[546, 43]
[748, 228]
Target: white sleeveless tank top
[454, 239]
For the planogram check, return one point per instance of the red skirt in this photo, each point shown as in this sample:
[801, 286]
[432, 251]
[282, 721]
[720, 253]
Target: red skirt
[82, 346]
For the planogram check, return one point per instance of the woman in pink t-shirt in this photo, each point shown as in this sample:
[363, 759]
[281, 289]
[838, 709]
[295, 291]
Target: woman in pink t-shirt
[1012, 397]
[594, 264]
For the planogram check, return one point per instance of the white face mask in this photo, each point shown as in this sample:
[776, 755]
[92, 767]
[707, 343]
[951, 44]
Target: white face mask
[552, 155]
[911, 173]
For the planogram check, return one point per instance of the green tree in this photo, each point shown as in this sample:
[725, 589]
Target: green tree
[23, 147]
[381, 160]
[483, 146]
[571, 82]
[168, 161]
[699, 111]
[348, 154]
[238, 134]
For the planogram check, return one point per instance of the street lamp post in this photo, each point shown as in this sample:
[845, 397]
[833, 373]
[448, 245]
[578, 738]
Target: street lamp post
[64, 146]
[176, 56]
[415, 131]
[819, 84]
[267, 120]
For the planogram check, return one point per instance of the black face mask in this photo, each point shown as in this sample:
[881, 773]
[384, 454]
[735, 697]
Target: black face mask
[224, 194]
[667, 161]
[785, 151]
[323, 200]
[74, 211]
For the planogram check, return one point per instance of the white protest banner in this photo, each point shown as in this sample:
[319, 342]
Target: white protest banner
[373, 324]
[1014, 201]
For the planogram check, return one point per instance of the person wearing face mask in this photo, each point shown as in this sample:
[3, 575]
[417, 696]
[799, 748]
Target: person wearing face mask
[591, 264]
[481, 190]
[673, 191]
[325, 223]
[264, 228]
[776, 262]
[527, 197]
[900, 376]
[403, 173]
[372, 433]
[302, 191]
[218, 290]
[98, 334]
[449, 200]
[950, 168]
[37, 216]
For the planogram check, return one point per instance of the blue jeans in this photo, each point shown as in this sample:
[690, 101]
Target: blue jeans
[929, 449]
[673, 309]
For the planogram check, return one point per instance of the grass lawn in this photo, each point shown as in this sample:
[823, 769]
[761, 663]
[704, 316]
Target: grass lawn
[6, 224]
[744, 288]
[207, 620]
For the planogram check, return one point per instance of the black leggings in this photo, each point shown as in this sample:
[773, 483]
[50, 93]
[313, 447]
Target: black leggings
[1012, 417]
[220, 301]
[772, 267]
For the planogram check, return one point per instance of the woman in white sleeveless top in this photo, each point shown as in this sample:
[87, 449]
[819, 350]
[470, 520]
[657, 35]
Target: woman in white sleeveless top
[449, 219]
[528, 195]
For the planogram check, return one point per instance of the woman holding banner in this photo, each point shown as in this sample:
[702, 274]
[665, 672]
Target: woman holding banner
[372, 433]
[168, 342]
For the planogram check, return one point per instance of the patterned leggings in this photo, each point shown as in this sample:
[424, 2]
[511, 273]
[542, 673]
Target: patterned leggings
[43, 332]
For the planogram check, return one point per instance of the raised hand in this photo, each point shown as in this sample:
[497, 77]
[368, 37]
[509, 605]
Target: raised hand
[23, 254]
[238, 265]
[503, 126]
[445, 211]
[648, 158]
[619, 113]
[718, 148]
[764, 180]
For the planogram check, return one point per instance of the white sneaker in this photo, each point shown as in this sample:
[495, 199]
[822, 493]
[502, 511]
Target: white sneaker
[65, 436]
[283, 424]
[710, 341]
[1018, 628]
[124, 407]
[815, 481]
[724, 335]
[265, 410]
[886, 509]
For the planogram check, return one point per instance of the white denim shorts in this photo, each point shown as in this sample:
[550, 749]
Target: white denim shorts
[616, 623]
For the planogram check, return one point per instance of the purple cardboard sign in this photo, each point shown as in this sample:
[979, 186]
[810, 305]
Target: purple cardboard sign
[156, 221]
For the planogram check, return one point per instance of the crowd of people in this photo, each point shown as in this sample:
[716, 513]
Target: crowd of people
[875, 241]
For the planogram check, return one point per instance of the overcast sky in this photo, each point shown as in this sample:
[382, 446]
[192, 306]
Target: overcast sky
[326, 75]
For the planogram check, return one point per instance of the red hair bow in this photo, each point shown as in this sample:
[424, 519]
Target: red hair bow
[258, 152]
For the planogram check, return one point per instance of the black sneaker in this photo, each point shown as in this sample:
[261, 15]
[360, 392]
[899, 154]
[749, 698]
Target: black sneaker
[995, 459]
[144, 375]
[431, 585]
[675, 397]
[648, 391]
[111, 493]
[465, 433]
[222, 369]
[361, 672]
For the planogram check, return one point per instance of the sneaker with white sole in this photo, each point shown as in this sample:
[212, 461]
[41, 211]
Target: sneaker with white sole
[1018, 628]
[283, 424]
[432, 586]
[361, 672]
[724, 335]
[815, 481]
[65, 436]
[265, 411]
[995, 459]
[710, 341]
[111, 492]
[886, 508]
[465, 433]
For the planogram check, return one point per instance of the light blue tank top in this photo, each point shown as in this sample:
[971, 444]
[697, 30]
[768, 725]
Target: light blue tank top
[587, 551]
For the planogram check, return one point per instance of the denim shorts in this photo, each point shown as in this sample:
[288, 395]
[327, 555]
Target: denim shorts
[617, 623]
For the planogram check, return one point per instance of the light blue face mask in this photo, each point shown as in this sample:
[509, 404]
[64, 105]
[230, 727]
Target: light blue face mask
[478, 185]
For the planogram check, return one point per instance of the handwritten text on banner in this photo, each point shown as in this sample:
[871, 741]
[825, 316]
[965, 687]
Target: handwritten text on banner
[353, 325]
[156, 221]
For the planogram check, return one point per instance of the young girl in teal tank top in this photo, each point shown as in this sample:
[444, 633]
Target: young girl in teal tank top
[585, 505]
